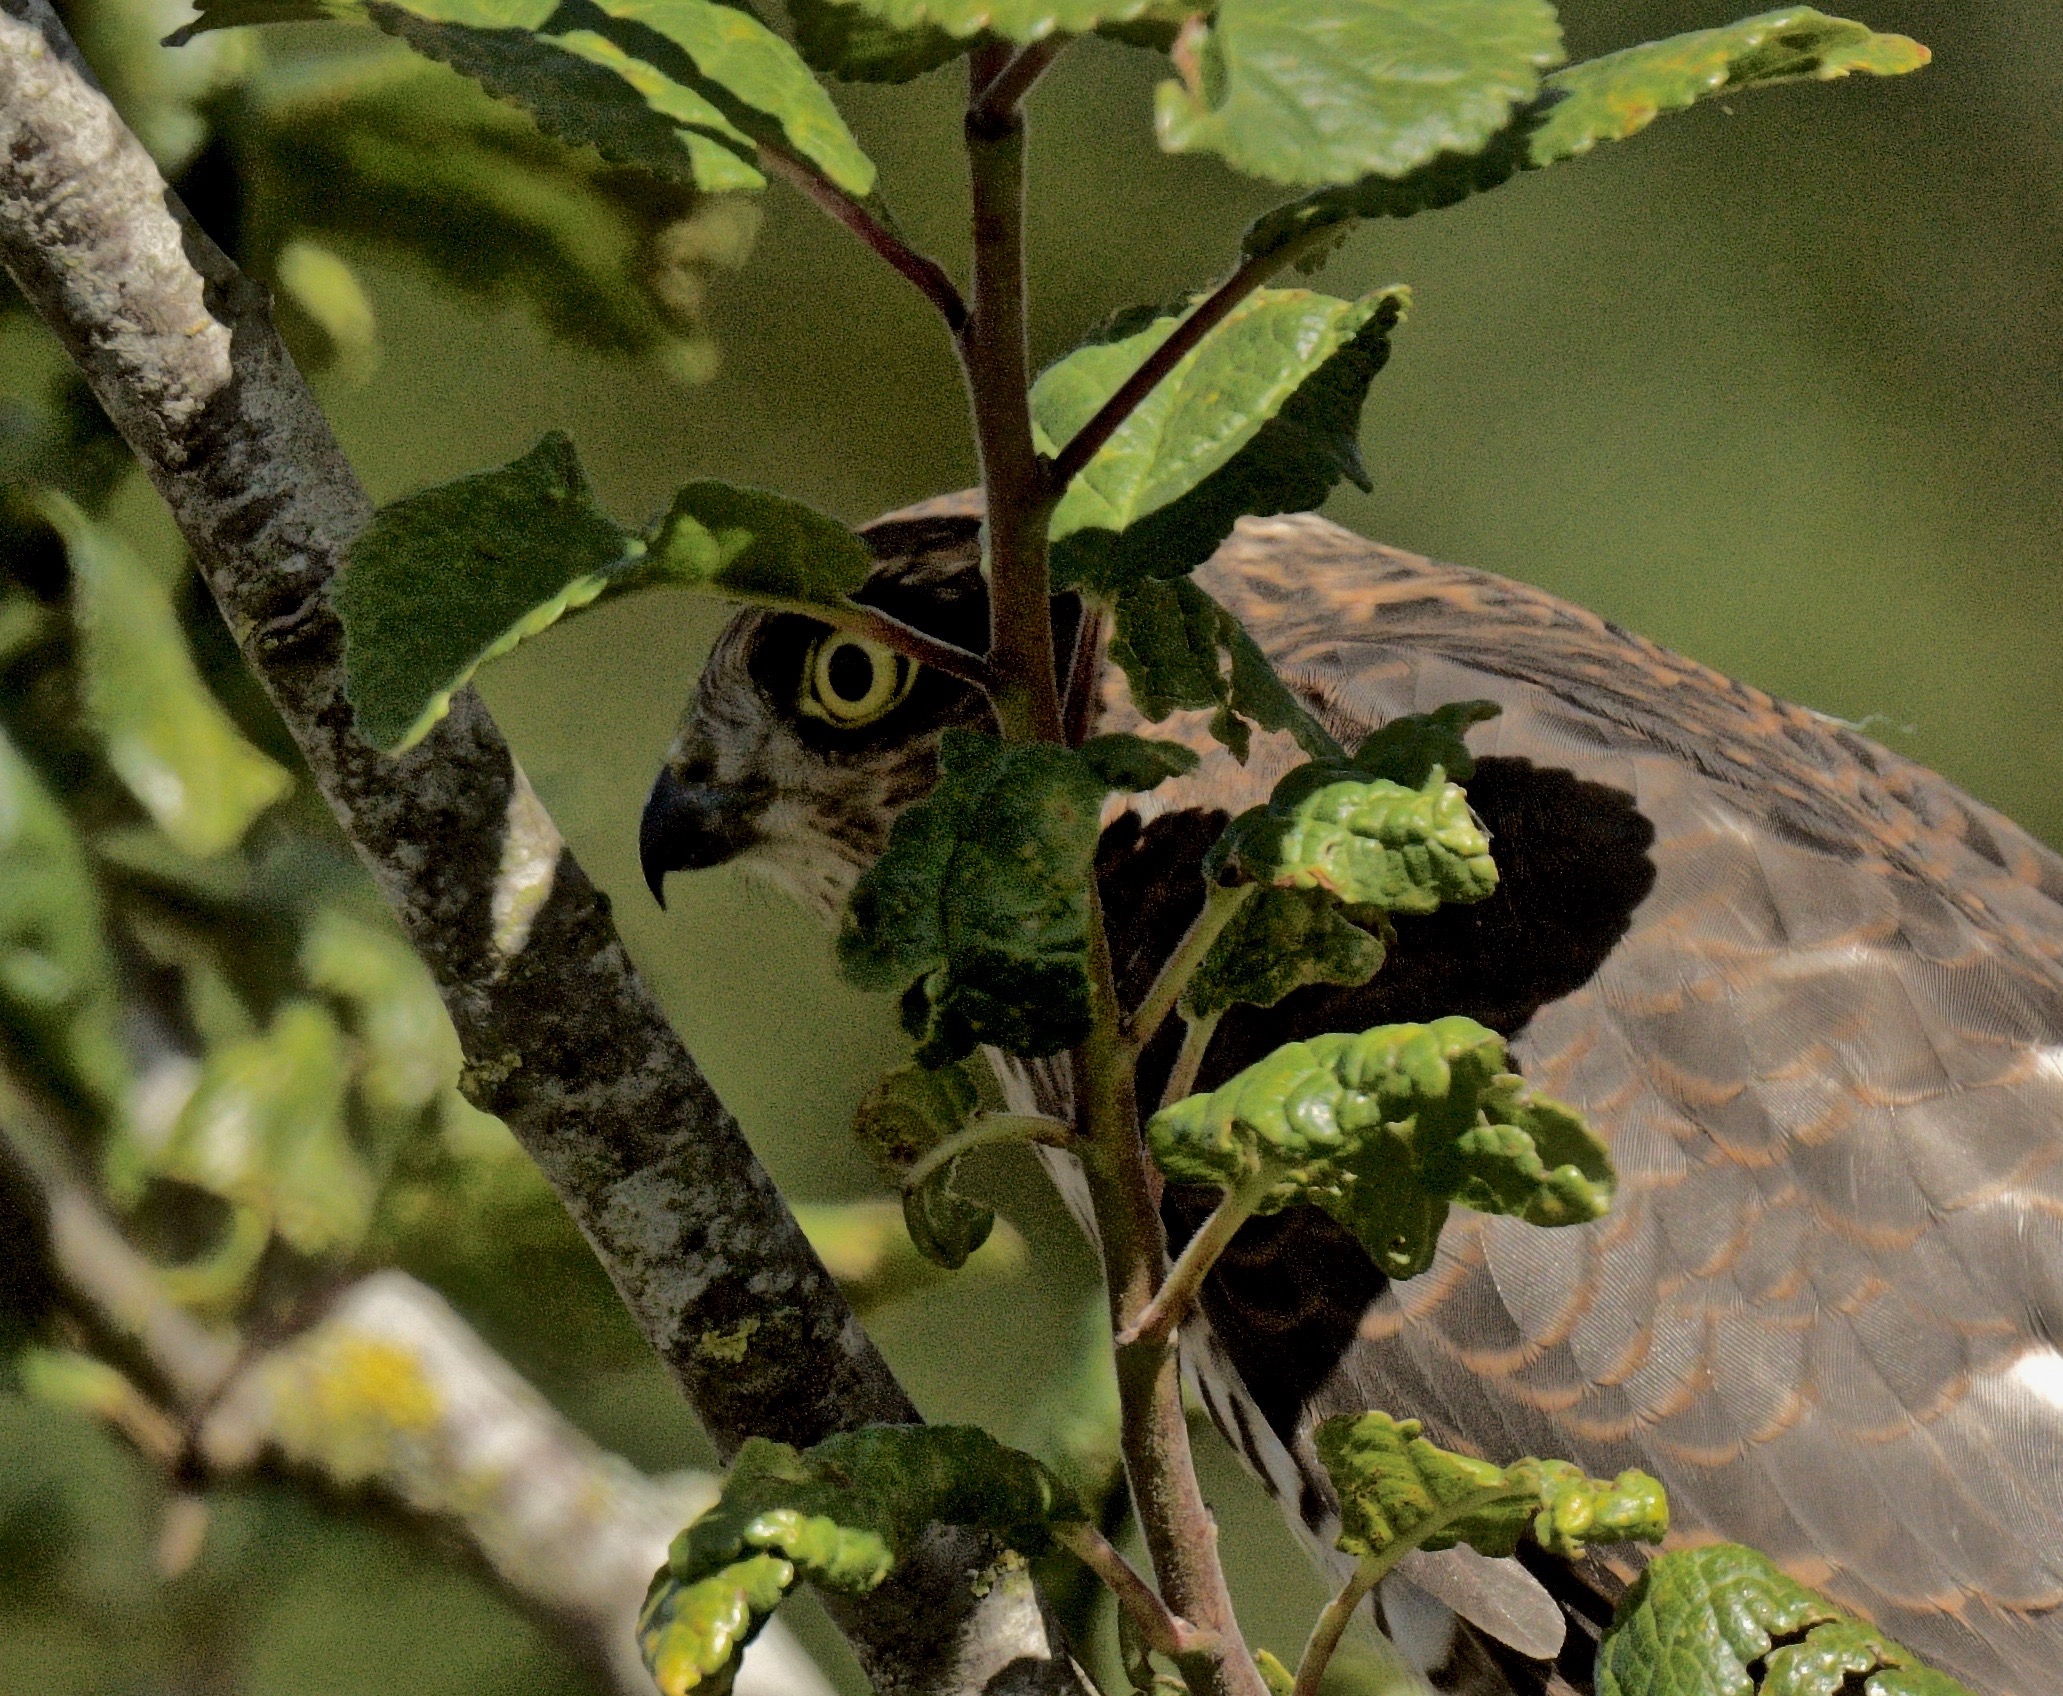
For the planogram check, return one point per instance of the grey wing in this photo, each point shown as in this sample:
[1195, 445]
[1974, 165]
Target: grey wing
[1825, 1041]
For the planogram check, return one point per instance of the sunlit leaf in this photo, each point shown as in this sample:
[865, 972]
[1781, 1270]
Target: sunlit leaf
[1724, 1621]
[979, 908]
[838, 1515]
[57, 987]
[1309, 92]
[1396, 1488]
[1384, 1130]
[1262, 417]
[755, 546]
[1606, 99]
[165, 735]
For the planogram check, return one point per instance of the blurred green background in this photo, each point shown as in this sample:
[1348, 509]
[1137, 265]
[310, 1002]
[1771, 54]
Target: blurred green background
[1776, 384]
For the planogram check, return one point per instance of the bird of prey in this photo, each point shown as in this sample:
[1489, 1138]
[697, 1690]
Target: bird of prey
[1809, 993]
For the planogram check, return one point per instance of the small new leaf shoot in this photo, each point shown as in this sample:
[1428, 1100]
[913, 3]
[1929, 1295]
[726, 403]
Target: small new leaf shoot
[1706, 1622]
[908, 1114]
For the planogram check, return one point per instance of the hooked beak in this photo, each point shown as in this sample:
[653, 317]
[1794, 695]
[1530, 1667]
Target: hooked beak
[688, 826]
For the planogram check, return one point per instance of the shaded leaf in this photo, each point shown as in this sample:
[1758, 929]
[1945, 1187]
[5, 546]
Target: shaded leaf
[410, 1054]
[1366, 841]
[1706, 1622]
[853, 44]
[1263, 416]
[906, 1115]
[979, 908]
[1399, 1491]
[1410, 747]
[1015, 20]
[57, 985]
[1309, 92]
[866, 1246]
[1604, 99]
[165, 735]
[1279, 941]
[1384, 1130]
[838, 1515]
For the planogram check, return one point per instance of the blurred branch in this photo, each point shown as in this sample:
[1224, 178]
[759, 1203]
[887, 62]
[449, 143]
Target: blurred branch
[563, 1040]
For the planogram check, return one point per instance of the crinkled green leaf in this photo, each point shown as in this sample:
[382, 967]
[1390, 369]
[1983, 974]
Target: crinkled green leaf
[165, 735]
[1384, 1130]
[444, 581]
[689, 60]
[1408, 748]
[1703, 1622]
[265, 1129]
[1396, 1488]
[1014, 20]
[1309, 92]
[410, 1053]
[1279, 941]
[57, 984]
[838, 1515]
[1263, 416]
[853, 44]
[979, 908]
[1620, 94]
[906, 1115]
[1367, 841]
[1180, 650]
[1604, 99]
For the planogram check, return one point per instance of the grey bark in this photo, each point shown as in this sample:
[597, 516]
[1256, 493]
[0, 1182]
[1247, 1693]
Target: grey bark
[563, 1040]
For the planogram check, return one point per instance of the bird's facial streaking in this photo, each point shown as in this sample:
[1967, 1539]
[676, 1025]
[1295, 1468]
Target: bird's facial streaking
[803, 742]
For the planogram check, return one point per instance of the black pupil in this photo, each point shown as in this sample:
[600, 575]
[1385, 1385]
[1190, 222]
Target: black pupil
[851, 672]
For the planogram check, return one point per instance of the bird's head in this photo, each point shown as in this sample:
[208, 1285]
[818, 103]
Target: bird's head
[803, 743]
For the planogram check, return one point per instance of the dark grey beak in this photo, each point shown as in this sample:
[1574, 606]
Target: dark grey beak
[689, 825]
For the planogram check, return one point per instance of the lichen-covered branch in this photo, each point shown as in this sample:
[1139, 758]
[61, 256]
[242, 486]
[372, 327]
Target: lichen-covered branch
[563, 1040]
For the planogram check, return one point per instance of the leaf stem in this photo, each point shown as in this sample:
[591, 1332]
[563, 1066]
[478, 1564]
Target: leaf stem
[1172, 1302]
[907, 640]
[1219, 907]
[1005, 91]
[986, 1130]
[921, 271]
[1205, 317]
[1196, 1042]
[996, 359]
[1160, 1629]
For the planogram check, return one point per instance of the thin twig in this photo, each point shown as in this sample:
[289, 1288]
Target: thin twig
[987, 1130]
[1160, 1628]
[907, 640]
[924, 273]
[1173, 1300]
[1005, 92]
[1084, 672]
[1205, 317]
[1219, 907]
[1196, 1041]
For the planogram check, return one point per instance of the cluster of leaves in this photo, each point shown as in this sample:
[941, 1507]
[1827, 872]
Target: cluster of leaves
[1384, 1130]
[839, 1515]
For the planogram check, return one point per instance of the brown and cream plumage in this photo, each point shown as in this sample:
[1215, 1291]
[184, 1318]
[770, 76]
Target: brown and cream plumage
[1810, 993]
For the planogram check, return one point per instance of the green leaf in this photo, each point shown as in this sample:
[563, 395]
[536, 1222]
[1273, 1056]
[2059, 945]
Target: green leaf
[906, 1115]
[1408, 749]
[265, 1129]
[165, 735]
[1015, 20]
[1279, 941]
[1619, 95]
[1263, 416]
[444, 581]
[866, 1246]
[1398, 1491]
[1605, 99]
[839, 1515]
[1703, 1622]
[57, 982]
[1384, 1130]
[979, 908]
[1310, 92]
[410, 1054]
[1180, 650]
[853, 44]
[1366, 841]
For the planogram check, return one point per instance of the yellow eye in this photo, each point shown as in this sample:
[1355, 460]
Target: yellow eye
[850, 681]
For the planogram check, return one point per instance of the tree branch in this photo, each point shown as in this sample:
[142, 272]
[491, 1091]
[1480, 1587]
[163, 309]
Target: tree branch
[563, 1040]
[922, 272]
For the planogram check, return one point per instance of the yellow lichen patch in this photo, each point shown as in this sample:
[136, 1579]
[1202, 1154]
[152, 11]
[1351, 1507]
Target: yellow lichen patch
[729, 1346]
[347, 1405]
